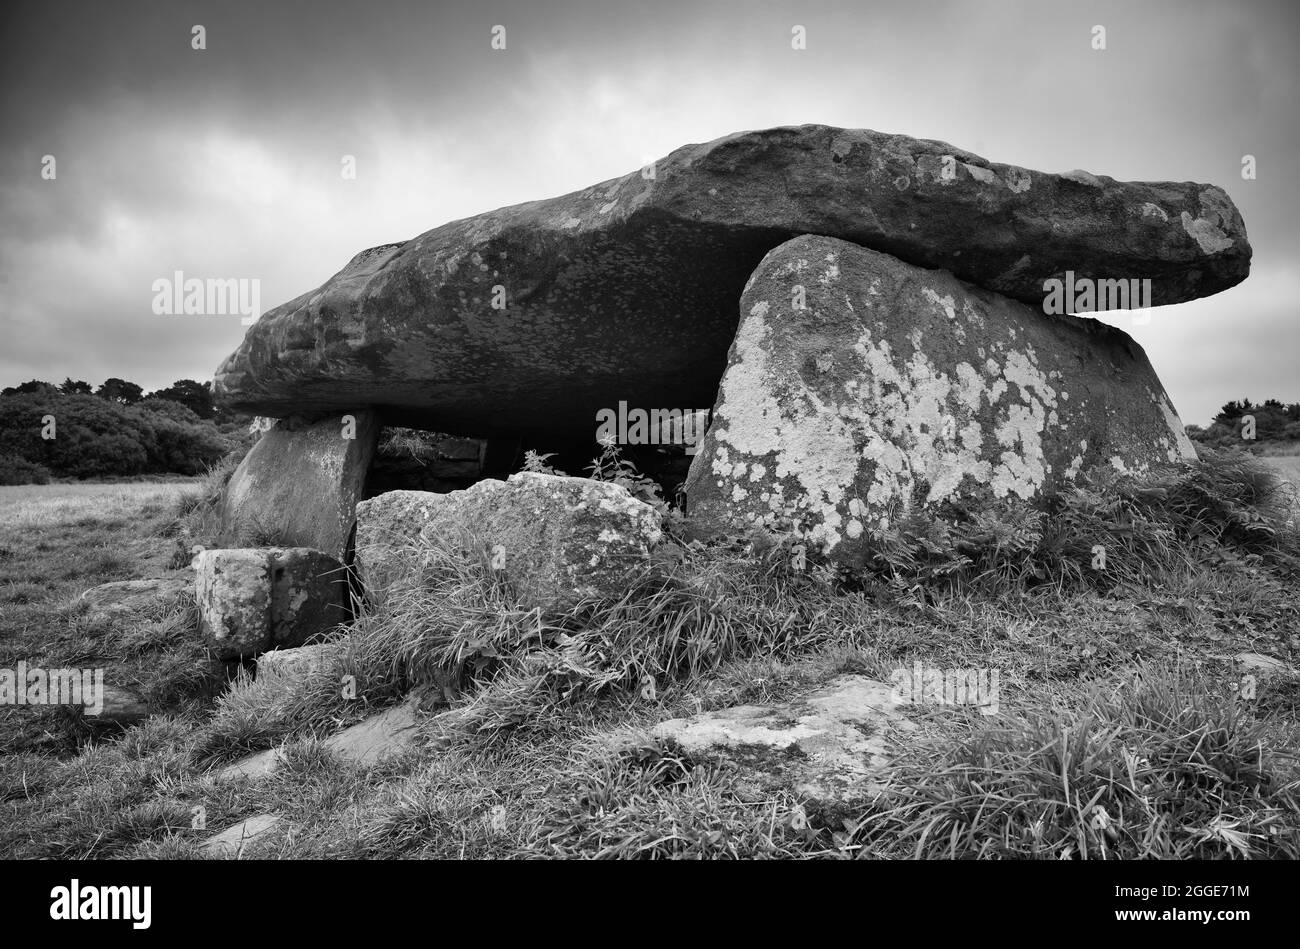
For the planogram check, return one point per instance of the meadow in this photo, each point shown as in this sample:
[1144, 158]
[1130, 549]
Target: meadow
[1131, 722]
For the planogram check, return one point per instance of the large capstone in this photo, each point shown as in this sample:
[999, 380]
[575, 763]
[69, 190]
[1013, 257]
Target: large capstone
[533, 318]
[859, 386]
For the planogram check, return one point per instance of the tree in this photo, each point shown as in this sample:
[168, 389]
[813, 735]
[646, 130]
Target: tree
[196, 396]
[70, 387]
[29, 388]
[120, 391]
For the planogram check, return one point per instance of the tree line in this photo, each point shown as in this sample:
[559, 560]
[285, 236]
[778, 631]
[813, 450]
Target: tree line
[1241, 421]
[76, 430]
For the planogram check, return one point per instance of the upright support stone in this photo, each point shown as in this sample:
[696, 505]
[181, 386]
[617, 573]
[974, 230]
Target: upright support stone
[859, 386]
[300, 484]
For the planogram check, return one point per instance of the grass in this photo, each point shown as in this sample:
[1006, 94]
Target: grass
[58, 540]
[1125, 729]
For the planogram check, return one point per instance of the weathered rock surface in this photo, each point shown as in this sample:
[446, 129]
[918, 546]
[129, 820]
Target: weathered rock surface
[627, 289]
[557, 540]
[370, 742]
[831, 746]
[297, 662]
[252, 600]
[119, 707]
[299, 485]
[379, 737]
[132, 599]
[894, 386]
[238, 841]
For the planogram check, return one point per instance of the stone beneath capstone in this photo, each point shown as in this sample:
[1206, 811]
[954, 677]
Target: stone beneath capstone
[252, 600]
[859, 386]
[556, 540]
[831, 746]
[532, 318]
[299, 485]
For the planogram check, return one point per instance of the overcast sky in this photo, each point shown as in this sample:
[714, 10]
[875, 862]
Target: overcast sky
[226, 162]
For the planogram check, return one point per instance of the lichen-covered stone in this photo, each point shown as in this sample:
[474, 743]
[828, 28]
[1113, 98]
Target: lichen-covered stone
[309, 595]
[859, 386]
[626, 290]
[252, 600]
[233, 591]
[831, 746]
[556, 540]
[299, 485]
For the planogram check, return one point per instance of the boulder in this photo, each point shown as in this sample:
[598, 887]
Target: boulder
[252, 600]
[831, 746]
[299, 485]
[859, 386]
[557, 540]
[532, 318]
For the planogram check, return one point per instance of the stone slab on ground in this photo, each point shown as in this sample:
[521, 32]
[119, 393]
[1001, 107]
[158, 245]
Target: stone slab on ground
[125, 599]
[237, 842]
[367, 743]
[830, 745]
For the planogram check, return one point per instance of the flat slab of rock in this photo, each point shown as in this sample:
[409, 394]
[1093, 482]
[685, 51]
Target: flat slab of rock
[367, 743]
[235, 842]
[557, 540]
[261, 765]
[299, 485]
[859, 386]
[831, 746]
[118, 707]
[626, 290]
[299, 661]
[123, 599]
[1265, 665]
[252, 600]
[379, 737]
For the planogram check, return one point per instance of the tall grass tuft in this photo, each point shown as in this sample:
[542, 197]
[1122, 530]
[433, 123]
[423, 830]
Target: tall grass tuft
[1160, 768]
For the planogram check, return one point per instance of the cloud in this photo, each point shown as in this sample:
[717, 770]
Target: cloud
[226, 162]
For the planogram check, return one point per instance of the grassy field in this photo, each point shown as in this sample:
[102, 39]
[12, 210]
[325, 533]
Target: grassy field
[1288, 466]
[1124, 728]
[30, 505]
[58, 540]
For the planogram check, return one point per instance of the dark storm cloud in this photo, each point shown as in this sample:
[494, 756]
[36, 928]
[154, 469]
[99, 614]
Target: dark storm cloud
[226, 162]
